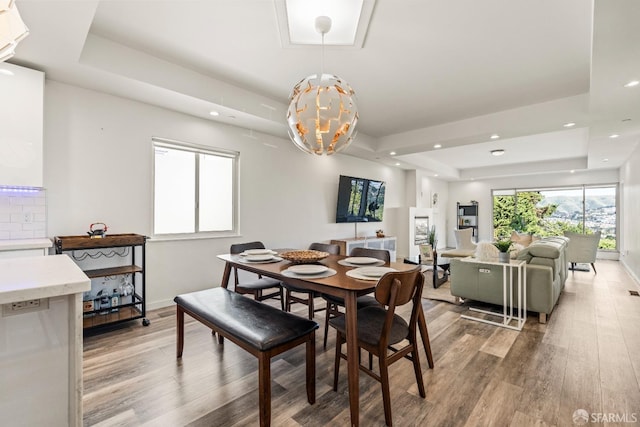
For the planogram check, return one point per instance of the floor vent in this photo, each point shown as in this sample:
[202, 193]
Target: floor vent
[634, 293]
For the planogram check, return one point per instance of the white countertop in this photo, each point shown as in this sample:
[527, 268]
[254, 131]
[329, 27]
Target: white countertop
[35, 277]
[22, 244]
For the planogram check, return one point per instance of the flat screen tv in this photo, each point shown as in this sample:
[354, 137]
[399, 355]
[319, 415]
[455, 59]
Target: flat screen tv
[360, 200]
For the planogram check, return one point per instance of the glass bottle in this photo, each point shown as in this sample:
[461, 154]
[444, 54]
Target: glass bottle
[115, 300]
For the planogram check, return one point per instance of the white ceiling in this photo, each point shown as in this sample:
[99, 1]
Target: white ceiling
[449, 72]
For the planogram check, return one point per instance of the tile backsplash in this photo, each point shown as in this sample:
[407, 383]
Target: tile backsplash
[23, 214]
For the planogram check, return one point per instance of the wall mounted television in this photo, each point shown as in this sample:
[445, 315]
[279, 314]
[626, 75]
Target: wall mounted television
[360, 200]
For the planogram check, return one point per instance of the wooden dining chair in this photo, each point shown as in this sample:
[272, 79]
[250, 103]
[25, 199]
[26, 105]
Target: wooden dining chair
[259, 285]
[380, 329]
[304, 296]
[334, 303]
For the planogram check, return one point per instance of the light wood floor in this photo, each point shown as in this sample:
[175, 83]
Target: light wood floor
[586, 357]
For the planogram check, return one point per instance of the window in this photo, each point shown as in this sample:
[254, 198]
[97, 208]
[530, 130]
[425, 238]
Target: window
[551, 211]
[194, 190]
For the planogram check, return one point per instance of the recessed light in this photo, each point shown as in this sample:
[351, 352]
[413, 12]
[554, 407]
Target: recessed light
[613, 136]
[437, 146]
[214, 113]
[6, 72]
[495, 136]
[632, 83]
[569, 125]
[393, 153]
[498, 152]
[572, 171]
[397, 164]
[605, 160]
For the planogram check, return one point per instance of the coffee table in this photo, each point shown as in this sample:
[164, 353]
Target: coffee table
[442, 262]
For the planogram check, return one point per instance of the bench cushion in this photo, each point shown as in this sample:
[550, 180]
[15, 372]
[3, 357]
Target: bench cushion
[257, 324]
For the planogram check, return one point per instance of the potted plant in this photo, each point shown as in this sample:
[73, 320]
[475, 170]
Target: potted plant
[503, 246]
[432, 237]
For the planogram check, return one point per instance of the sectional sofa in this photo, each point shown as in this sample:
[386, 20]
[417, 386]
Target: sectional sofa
[546, 274]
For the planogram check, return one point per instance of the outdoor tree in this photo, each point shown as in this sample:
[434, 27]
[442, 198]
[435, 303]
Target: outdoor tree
[528, 213]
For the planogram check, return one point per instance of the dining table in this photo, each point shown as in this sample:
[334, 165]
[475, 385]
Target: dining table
[340, 285]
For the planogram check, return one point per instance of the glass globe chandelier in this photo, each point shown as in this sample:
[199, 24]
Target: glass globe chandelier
[322, 111]
[12, 29]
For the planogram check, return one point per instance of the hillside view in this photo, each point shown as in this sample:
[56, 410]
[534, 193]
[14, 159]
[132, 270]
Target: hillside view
[555, 211]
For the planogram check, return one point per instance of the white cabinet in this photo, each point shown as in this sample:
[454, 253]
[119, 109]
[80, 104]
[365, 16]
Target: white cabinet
[41, 346]
[388, 243]
[21, 124]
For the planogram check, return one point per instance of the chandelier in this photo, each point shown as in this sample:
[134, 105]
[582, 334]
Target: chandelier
[12, 29]
[322, 111]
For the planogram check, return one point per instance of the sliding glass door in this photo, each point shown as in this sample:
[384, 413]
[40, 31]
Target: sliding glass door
[552, 211]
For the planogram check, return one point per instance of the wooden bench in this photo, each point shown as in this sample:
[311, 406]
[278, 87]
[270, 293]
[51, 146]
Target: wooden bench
[260, 329]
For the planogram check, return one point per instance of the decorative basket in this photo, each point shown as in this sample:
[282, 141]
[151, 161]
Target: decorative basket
[306, 256]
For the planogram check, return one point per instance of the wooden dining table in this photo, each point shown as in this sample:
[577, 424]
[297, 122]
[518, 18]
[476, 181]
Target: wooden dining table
[339, 285]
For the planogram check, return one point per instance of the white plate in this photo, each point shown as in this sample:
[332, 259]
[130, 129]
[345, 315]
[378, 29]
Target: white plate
[308, 269]
[258, 252]
[330, 272]
[376, 272]
[256, 258]
[361, 260]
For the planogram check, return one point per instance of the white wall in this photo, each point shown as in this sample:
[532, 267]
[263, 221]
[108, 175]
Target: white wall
[98, 167]
[481, 191]
[630, 212]
[430, 186]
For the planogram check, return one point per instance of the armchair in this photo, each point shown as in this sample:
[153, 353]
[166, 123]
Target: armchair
[582, 248]
[464, 245]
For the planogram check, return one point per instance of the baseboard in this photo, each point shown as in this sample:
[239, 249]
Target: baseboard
[635, 279]
[159, 304]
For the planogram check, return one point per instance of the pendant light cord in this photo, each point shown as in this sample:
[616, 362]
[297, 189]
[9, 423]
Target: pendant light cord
[322, 57]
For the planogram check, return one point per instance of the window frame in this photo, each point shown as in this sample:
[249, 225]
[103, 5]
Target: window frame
[196, 149]
[582, 187]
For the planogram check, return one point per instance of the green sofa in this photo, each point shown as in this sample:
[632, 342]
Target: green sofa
[546, 274]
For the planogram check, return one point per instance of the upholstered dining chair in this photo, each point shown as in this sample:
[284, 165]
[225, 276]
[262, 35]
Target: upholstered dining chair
[582, 248]
[307, 297]
[259, 285]
[380, 329]
[333, 303]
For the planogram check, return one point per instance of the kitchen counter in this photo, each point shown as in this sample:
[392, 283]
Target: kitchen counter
[23, 244]
[41, 345]
[29, 278]
[24, 248]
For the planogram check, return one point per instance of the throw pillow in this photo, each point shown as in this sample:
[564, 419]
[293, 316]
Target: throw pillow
[521, 238]
[515, 250]
[486, 251]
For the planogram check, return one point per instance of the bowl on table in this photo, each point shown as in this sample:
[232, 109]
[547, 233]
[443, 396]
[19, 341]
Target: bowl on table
[306, 256]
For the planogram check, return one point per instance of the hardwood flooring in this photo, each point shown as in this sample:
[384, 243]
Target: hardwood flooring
[586, 357]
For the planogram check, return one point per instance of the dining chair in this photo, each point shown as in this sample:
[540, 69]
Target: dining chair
[333, 302]
[307, 297]
[256, 286]
[380, 329]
